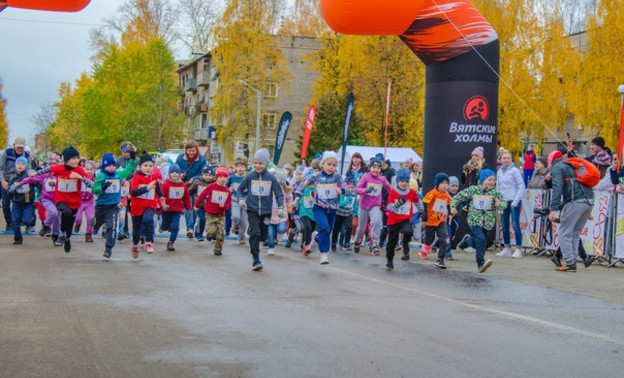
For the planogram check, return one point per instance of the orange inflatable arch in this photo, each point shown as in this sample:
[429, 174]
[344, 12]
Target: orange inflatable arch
[46, 5]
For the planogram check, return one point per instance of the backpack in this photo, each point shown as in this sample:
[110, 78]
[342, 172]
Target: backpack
[586, 172]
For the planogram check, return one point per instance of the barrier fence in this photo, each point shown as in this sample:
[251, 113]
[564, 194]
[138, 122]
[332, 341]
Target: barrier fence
[602, 236]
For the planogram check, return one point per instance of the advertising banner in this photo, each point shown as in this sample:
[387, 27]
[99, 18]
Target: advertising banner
[345, 133]
[531, 229]
[282, 130]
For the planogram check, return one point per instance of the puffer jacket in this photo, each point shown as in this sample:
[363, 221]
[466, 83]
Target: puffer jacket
[510, 183]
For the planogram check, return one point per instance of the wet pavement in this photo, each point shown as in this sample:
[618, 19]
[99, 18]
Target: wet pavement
[190, 313]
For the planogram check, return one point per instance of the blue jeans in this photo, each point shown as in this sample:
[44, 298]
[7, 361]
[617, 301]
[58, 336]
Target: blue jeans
[514, 213]
[171, 222]
[200, 227]
[478, 240]
[324, 224]
[451, 229]
[275, 229]
[21, 214]
[189, 218]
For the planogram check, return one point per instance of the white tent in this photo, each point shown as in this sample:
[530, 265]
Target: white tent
[396, 155]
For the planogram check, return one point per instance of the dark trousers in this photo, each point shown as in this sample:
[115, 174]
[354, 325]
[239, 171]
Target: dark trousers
[107, 215]
[6, 208]
[258, 230]
[442, 233]
[394, 230]
[68, 216]
[21, 214]
[307, 228]
[341, 221]
[143, 223]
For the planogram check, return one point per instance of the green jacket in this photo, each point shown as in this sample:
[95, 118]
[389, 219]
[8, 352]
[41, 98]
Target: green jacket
[485, 218]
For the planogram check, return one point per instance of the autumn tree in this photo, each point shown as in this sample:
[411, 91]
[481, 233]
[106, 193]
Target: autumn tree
[4, 126]
[198, 21]
[304, 19]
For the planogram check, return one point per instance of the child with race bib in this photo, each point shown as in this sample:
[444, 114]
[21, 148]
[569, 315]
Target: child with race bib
[108, 187]
[256, 193]
[175, 200]
[484, 202]
[329, 186]
[216, 200]
[435, 217]
[22, 199]
[86, 204]
[369, 206]
[145, 192]
[239, 216]
[195, 190]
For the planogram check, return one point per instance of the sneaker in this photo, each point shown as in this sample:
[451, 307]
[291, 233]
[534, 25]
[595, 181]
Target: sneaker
[67, 245]
[517, 254]
[423, 255]
[440, 264]
[306, 250]
[107, 255]
[288, 243]
[189, 234]
[588, 261]
[264, 244]
[88, 238]
[405, 257]
[426, 248]
[121, 237]
[464, 242]
[555, 260]
[271, 252]
[235, 229]
[17, 242]
[44, 231]
[504, 253]
[57, 241]
[346, 247]
[375, 250]
[333, 247]
[135, 251]
[170, 246]
[241, 242]
[324, 259]
[486, 265]
[149, 248]
[567, 268]
[356, 247]
[449, 257]
[389, 265]
[399, 247]
[256, 265]
[77, 227]
[217, 252]
[313, 243]
[200, 238]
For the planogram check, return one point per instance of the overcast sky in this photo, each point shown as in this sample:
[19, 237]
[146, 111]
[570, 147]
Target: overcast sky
[39, 50]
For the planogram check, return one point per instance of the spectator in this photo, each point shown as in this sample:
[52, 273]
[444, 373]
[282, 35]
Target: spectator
[528, 166]
[471, 170]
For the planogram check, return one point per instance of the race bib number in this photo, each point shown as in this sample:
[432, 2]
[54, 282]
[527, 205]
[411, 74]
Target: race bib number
[150, 195]
[308, 202]
[326, 191]
[67, 185]
[124, 191]
[482, 202]
[50, 185]
[85, 189]
[260, 188]
[200, 189]
[402, 210]
[218, 196]
[114, 187]
[376, 189]
[176, 193]
[23, 189]
[440, 206]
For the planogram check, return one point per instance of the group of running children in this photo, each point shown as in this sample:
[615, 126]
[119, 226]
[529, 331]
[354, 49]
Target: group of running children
[316, 201]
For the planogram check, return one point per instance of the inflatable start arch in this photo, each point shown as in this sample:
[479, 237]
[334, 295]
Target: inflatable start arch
[46, 5]
[461, 52]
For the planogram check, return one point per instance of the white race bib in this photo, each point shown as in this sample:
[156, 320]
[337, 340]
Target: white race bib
[124, 191]
[440, 206]
[114, 187]
[67, 185]
[376, 189]
[482, 202]
[308, 202]
[23, 189]
[50, 185]
[150, 195]
[326, 191]
[218, 196]
[404, 209]
[176, 193]
[260, 188]
[85, 189]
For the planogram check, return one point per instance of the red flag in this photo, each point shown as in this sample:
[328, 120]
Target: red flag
[621, 143]
[308, 131]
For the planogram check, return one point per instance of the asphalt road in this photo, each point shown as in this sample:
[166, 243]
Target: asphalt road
[192, 314]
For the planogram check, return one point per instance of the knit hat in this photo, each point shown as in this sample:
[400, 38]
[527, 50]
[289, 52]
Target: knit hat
[379, 156]
[485, 174]
[403, 174]
[22, 160]
[556, 154]
[374, 161]
[329, 155]
[108, 159]
[453, 181]
[599, 141]
[174, 168]
[280, 176]
[221, 172]
[318, 155]
[69, 153]
[288, 166]
[145, 158]
[208, 169]
[543, 160]
[262, 155]
[478, 151]
[602, 158]
[19, 142]
[300, 168]
[440, 178]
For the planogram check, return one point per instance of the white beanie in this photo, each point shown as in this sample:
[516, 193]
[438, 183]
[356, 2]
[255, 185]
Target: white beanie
[263, 155]
[329, 155]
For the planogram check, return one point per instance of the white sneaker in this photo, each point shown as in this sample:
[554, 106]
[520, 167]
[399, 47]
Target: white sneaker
[324, 259]
[504, 253]
[517, 254]
[470, 250]
[313, 243]
[271, 251]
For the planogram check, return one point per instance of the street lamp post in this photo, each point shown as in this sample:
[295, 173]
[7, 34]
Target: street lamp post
[258, 102]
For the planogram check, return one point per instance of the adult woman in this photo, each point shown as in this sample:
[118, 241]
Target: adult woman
[511, 185]
[191, 164]
[357, 167]
[416, 175]
[471, 170]
[304, 161]
[539, 181]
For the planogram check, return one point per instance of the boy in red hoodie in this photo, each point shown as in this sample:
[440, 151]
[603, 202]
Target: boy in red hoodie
[145, 192]
[175, 200]
[67, 196]
[219, 200]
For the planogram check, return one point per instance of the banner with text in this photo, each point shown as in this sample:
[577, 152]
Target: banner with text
[308, 130]
[280, 139]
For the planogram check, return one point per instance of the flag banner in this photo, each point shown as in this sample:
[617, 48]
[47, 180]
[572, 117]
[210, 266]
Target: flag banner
[308, 131]
[282, 130]
[345, 134]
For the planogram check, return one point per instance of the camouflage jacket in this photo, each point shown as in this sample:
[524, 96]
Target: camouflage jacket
[477, 216]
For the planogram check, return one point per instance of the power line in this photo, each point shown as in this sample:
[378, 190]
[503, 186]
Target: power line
[50, 22]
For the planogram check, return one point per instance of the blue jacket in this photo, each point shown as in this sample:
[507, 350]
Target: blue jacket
[192, 171]
[258, 190]
[111, 195]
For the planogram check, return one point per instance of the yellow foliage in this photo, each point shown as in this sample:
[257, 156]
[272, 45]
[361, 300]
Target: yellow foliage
[4, 125]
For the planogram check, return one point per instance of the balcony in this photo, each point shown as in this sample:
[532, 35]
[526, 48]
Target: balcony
[191, 84]
[201, 107]
[204, 78]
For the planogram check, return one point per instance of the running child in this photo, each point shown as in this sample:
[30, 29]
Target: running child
[239, 216]
[195, 190]
[435, 215]
[174, 201]
[22, 200]
[278, 225]
[86, 204]
[344, 217]
[145, 192]
[216, 200]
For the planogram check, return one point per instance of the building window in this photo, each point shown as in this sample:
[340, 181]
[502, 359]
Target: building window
[268, 121]
[270, 90]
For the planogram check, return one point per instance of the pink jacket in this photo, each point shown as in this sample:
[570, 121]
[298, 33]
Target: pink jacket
[372, 199]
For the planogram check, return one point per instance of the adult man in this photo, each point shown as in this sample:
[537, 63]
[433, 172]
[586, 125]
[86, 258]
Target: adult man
[575, 201]
[596, 146]
[7, 169]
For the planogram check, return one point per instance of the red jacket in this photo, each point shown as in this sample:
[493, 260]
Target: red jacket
[142, 199]
[68, 190]
[213, 194]
[406, 211]
[176, 196]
